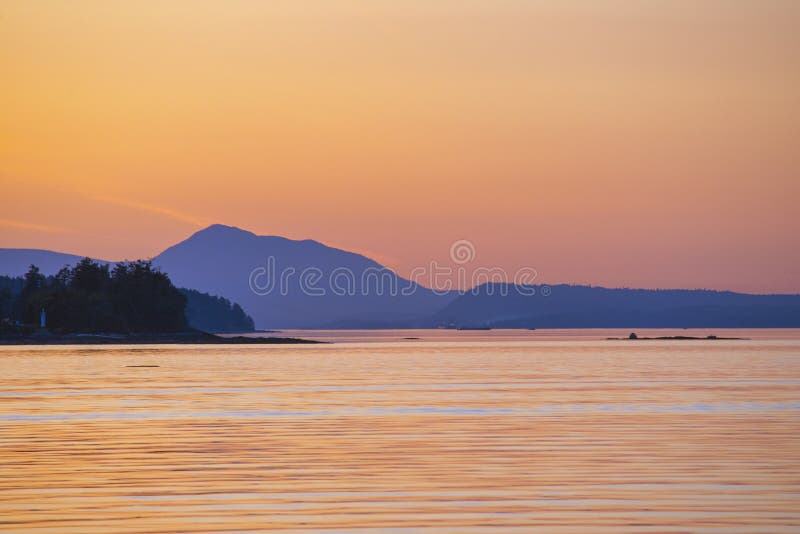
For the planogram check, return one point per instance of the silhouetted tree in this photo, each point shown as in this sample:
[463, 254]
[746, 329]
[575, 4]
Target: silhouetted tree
[146, 298]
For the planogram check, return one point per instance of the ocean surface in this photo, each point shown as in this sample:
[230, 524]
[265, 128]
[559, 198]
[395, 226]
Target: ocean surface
[452, 432]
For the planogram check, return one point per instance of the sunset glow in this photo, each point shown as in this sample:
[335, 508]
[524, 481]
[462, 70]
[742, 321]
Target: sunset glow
[643, 144]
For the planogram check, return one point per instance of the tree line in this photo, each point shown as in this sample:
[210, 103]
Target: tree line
[90, 297]
[130, 297]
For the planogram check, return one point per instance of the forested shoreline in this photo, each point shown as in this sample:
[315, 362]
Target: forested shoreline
[130, 297]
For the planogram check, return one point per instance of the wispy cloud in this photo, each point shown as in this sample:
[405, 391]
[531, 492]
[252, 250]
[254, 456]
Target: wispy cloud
[166, 212]
[23, 225]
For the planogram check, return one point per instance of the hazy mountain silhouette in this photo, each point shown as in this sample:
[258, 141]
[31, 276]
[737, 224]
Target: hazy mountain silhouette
[15, 261]
[220, 260]
[569, 306]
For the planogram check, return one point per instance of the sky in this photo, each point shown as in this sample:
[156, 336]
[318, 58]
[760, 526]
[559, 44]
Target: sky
[608, 142]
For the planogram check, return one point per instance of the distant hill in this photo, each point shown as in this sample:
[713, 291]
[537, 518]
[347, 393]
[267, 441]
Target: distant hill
[221, 259]
[15, 261]
[568, 306]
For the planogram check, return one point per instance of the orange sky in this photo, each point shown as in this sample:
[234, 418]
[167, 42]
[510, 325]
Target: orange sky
[612, 142]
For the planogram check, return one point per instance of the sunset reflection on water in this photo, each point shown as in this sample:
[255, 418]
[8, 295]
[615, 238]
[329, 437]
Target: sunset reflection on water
[412, 436]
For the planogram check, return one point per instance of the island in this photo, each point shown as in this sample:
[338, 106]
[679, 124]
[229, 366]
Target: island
[634, 337]
[175, 338]
[133, 303]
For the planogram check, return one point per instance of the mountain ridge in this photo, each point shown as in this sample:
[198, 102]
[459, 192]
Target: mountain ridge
[304, 277]
[221, 260]
[582, 306]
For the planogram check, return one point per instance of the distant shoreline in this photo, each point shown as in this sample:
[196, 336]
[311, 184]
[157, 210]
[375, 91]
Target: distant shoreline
[178, 338]
[677, 338]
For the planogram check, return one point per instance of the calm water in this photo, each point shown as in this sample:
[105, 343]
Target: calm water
[454, 432]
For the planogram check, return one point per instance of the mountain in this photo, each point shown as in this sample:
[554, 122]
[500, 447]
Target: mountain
[356, 292]
[283, 283]
[15, 261]
[569, 306]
